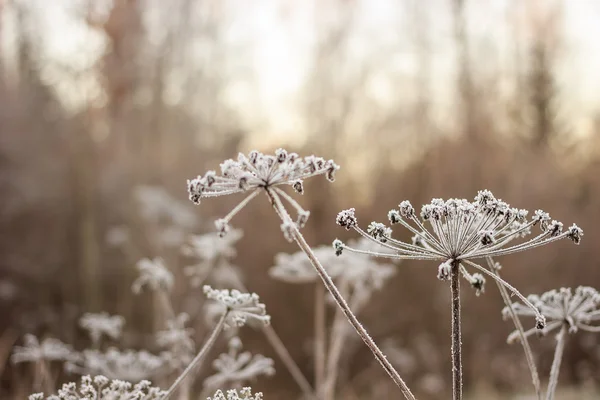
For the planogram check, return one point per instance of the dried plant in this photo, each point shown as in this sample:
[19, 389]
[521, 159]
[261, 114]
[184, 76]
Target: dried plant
[565, 311]
[102, 324]
[244, 394]
[102, 388]
[459, 232]
[357, 278]
[237, 367]
[259, 172]
[238, 308]
[39, 354]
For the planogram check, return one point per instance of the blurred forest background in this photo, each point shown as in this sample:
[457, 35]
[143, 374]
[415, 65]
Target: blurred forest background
[106, 106]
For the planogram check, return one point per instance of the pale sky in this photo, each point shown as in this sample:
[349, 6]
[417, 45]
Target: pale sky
[278, 38]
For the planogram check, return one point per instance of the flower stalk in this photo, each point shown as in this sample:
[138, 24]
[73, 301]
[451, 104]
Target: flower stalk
[330, 286]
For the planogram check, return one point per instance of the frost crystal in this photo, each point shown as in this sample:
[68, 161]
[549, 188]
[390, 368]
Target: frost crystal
[235, 367]
[153, 274]
[240, 307]
[457, 231]
[33, 351]
[102, 324]
[101, 388]
[244, 394]
[258, 171]
[560, 307]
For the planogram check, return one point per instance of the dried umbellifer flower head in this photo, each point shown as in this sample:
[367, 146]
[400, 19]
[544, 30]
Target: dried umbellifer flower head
[257, 171]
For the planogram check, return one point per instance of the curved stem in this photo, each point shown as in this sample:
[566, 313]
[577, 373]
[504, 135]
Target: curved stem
[456, 333]
[535, 378]
[561, 339]
[328, 282]
[199, 357]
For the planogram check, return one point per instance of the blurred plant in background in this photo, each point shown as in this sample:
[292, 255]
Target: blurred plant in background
[106, 107]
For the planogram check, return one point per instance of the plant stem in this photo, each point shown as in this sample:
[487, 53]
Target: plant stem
[328, 282]
[456, 334]
[288, 361]
[519, 327]
[561, 339]
[199, 357]
[319, 345]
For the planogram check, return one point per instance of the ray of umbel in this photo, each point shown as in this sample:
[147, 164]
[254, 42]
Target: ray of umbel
[456, 233]
[566, 311]
[259, 172]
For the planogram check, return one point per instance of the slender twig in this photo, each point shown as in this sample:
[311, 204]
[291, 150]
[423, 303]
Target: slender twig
[319, 345]
[199, 357]
[535, 378]
[456, 334]
[328, 282]
[561, 339]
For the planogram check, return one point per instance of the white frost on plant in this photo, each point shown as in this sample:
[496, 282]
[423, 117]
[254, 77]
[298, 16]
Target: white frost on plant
[152, 274]
[256, 172]
[102, 324]
[102, 388]
[130, 365]
[240, 307]
[456, 232]
[235, 367]
[49, 349]
[244, 394]
[577, 310]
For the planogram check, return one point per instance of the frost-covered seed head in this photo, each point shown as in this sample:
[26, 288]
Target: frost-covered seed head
[153, 274]
[394, 217]
[222, 227]
[575, 233]
[542, 217]
[288, 230]
[406, 209]
[244, 394]
[101, 388]
[379, 231]
[487, 237]
[346, 219]
[298, 187]
[555, 228]
[444, 271]
[579, 309]
[478, 283]
[33, 350]
[240, 307]
[302, 218]
[234, 368]
[258, 171]
[102, 324]
[338, 245]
